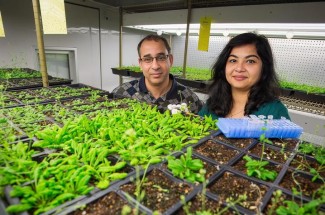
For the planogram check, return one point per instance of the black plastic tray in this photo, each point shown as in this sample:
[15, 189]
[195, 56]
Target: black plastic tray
[175, 206]
[121, 72]
[241, 209]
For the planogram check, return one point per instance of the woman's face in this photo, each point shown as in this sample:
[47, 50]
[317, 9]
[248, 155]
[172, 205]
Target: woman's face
[243, 67]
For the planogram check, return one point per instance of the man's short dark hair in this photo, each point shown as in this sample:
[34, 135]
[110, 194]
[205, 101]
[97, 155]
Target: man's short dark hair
[155, 38]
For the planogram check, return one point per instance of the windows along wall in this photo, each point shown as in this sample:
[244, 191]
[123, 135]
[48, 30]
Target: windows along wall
[60, 63]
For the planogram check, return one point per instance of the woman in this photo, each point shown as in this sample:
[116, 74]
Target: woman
[244, 81]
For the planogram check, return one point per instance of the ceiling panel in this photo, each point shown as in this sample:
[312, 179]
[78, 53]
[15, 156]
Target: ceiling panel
[139, 6]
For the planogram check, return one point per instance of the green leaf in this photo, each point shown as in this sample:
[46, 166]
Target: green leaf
[103, 184]
[62, 198]
[18, 208]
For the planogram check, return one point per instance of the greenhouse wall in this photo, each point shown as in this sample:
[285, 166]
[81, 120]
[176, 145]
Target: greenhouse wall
[93, 36]
[297, 60]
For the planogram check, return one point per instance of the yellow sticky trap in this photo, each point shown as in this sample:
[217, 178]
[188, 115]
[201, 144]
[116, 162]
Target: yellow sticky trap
[2, 30]
[205, 25]
[53, 16]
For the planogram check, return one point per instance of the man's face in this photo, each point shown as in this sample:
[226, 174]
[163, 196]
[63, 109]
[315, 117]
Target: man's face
[156, 72]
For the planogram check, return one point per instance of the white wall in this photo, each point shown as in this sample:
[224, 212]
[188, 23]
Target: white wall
[91, 34]
[17, 47]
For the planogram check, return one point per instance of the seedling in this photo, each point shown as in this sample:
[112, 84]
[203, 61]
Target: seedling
[256, 167]
[319, 155]
[186, 167]
[292, 207]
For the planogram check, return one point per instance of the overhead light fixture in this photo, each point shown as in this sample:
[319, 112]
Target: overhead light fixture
[298, 30]
[289, 35]
[226, 33]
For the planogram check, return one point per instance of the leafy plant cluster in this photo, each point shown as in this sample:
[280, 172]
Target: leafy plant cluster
[58, 178]
[18, 73]
[131, 68]
[282, 204]
[27, 118]
[185, 167]
[30, 82]
[302, 87]
[30, 119]
[317, 152]
[138, 134]
[294, 206]
[257, 167]
[192, 73]
[129, 131]
[31, 96]
[204, 74]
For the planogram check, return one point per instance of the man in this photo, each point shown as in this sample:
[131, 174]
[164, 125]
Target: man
[157, 86]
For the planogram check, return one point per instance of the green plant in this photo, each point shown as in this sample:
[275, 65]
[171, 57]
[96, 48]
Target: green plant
[302, 87]
[230, 204]
[139, 192]
[291, 207]
[256, 167]
[18, 73]
[186, 167]
[176, 70]
[138, 133]
[54, 182]
[192, 73]
[318, 153]
[16, 164]
[133, 68]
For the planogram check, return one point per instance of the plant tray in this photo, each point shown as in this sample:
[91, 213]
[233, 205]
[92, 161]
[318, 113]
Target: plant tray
[191, 83]
[272, 203]
[135, 74]
[313, 97]
[162, 191]
[34, 83]
[254, 127]
[121, 72]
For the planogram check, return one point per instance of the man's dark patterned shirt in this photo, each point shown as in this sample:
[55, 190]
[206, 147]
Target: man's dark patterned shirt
[178, 94]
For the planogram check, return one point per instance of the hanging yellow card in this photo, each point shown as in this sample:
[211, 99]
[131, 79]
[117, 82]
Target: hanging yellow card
[53, 16]
[204, 36]
[2, 30]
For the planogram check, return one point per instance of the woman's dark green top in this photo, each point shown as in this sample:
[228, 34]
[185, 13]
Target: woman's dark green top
[275, 108]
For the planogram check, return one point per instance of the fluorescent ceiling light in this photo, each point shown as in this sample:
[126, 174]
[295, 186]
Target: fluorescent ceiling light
[275, 29]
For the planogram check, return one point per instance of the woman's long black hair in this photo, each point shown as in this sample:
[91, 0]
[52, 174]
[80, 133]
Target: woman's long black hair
[220, 99]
